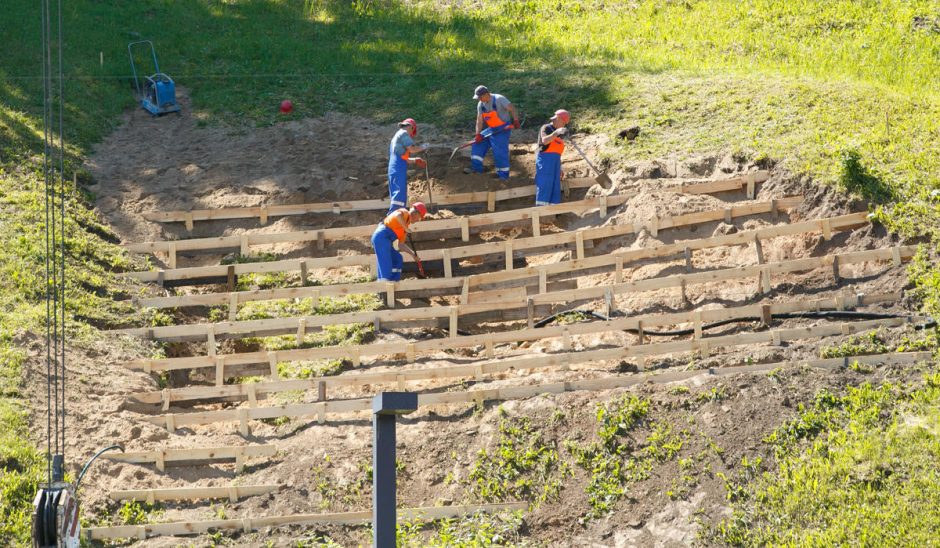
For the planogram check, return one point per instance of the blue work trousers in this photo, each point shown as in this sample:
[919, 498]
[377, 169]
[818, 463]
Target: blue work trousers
[499, 142]
[397, 183]
[547, 178]
[389, 259]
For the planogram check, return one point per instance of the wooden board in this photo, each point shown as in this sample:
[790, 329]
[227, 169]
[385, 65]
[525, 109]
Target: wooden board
[704, 345]
[182, 528]
[262, 390]
[482, 311]
[265, 212]
[518, 246]
[466, 225]
[501, 279]
[162, 457]
[412, 349]
[231, 492]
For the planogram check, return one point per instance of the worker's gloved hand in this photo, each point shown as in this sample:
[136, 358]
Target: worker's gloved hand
[425, 146]
[421, 163]
[478, 138]
[516, 124]
[561, 131]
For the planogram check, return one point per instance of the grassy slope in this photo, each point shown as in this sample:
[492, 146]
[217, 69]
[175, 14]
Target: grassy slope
[808, 82]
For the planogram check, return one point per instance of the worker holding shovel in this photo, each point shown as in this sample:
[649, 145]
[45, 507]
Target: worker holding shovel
[399, 151]
[548, 159]
[495, 112]
[394, 229]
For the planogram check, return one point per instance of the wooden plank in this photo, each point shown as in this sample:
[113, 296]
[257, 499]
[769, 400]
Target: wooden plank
[210, 454]
[366, 378]
[533, 362]
[430, 345]
[245, 241]
[477, 250]
[266, 211]
[194, 493]
[185, 528]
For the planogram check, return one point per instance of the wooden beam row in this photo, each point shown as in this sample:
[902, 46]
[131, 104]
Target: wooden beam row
[180, 456]
[493, 280]
[508, 248]
[185, 528]
[265, 212]
[252, 392]
[705, 346]
[465, 225]
[507, 301]
[233, 493]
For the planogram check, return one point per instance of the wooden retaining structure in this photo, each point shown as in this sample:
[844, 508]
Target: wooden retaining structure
[252, 392]
[264, 212]
[411, 350]
[464, 226]
[233, 493]
[501, 279]
[703, 345]
[505, 302]
[509, 248]
[203, 455]
[247, 525]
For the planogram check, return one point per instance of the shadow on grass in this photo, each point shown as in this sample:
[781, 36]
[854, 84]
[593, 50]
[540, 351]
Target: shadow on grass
[857, 178]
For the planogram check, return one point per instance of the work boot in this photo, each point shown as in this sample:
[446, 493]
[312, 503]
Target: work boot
[467, 170]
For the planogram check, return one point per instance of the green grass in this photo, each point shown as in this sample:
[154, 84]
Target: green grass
[843, 91]
[858, 469]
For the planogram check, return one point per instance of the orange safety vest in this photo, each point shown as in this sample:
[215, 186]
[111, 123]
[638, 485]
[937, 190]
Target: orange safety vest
[492, 118]
[398, 221]
[555, 146]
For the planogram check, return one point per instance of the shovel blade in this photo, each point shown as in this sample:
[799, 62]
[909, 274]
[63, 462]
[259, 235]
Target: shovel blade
[604, 180]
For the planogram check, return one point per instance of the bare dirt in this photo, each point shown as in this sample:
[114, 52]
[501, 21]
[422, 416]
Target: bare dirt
[175, 163]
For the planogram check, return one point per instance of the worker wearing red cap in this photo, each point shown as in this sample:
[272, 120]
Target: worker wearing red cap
[399, 152]
[496, 118]
[391, 230]
[550, 146]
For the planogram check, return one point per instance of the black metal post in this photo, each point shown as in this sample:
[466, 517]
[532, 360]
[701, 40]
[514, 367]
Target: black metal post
[384, 516]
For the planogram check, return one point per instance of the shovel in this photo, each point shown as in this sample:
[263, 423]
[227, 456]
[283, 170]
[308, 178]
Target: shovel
[602, 178]
[488, 132]
[421, 273]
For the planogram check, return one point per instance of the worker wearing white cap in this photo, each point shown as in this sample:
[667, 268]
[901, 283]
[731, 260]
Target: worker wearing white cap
[399, 151]
[494, 111]
[549, 148]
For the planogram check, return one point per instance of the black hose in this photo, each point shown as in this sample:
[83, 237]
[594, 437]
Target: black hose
[824, 314]
[91, 460]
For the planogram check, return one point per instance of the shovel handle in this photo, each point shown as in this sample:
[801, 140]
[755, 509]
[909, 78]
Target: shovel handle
[583, 157]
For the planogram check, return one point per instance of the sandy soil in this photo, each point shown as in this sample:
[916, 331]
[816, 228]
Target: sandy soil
[173, 163]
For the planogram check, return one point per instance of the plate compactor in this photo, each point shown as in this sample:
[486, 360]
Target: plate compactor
[157, 93]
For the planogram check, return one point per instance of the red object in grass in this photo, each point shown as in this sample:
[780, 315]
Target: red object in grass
[286, 106]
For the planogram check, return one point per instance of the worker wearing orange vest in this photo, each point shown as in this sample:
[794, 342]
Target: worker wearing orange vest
[494, 111]
[395, 228]
[548, 159]
[399, 152]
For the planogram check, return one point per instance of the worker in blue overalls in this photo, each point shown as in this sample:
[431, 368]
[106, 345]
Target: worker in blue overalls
[399, 152]
[550, 147]
[493, 128]
[394, 228]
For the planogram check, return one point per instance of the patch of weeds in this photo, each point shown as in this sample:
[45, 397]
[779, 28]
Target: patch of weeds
[138, 513]
[522, 466]
[852, 469]
[716, 394]
[476, 530]
[859, 367]
[312, 369]
[677, 390]
[855, 177]
[861, 345]
[618, 457]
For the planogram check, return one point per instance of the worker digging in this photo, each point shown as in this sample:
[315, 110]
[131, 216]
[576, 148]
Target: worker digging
[400, 149]
[499, 117]
[549, 149]
[392, 229]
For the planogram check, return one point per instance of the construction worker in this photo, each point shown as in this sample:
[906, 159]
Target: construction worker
[394, 228]
[399, 151]
[548, 159]
[493, 128]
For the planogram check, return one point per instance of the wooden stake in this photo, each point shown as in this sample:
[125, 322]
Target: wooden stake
[448, 267]
[171, 255]
[219, 371]
[750, 186]
[453, 322]
[303, 273]
[233, 306]
[321, 240]
[835, 270]
[243, 245]
[210, 340]
[618, 270]
[465, 229]
[688, 259]
[491, 201]
[536, 225]
[543, 281]
[264, 215]
[759, 250]
[602, 201]
[301, 331]
[189, 222]
[508, 254]
[272, 363]
[230, 275]
[530, 312]
[579, 243]
[321, 391]
[390, 294]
